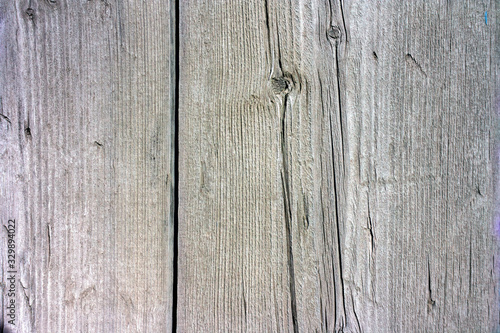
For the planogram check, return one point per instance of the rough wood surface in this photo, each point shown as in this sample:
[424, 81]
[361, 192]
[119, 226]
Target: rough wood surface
[336, 166]
[420, 80]
[86, 164]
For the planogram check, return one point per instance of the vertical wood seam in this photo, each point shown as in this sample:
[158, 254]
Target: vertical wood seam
[174, 21]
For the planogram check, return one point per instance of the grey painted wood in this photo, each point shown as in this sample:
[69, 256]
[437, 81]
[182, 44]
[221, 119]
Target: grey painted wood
[86, 168]
[337, 166]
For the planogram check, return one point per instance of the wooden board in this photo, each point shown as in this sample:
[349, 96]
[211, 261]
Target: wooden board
[86, 164]
[423, 128]
[336, 166]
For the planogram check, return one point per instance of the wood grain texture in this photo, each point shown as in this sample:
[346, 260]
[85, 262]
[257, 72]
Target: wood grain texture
[423, 124]
[262, 171]
[337, 166]
[86, 163]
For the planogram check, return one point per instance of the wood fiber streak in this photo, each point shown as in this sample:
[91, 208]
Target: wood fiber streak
[86, 163]
[336, 166]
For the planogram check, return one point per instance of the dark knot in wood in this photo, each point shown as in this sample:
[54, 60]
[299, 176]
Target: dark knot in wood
[334, 32]
[279, 85]
[30, 12]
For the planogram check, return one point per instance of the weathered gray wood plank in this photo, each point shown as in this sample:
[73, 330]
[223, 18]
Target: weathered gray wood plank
[336, 166]
[233, 249]
[86, 163]
[261, 169]
[422, 120]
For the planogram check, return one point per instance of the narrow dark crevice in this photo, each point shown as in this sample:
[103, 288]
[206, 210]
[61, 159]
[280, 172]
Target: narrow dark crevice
[175, 79]
[336, 190]
[335, 180]
[266, 11]
[431, 301]
[355, 314]
[278, 47]
[337, 220]
[370, 228]
[48, 238]
[343, 21]
[340, 100]
[285, 182]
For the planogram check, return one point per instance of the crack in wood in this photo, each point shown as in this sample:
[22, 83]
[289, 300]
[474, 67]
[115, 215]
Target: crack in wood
[48, 241]
[335, 182]
[431, 302]
[285, 182]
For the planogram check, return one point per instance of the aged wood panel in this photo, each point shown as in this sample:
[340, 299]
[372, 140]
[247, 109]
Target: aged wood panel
[86, 96]
[234, 223]
[262, 172]
[337, 166]
[420, 103]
